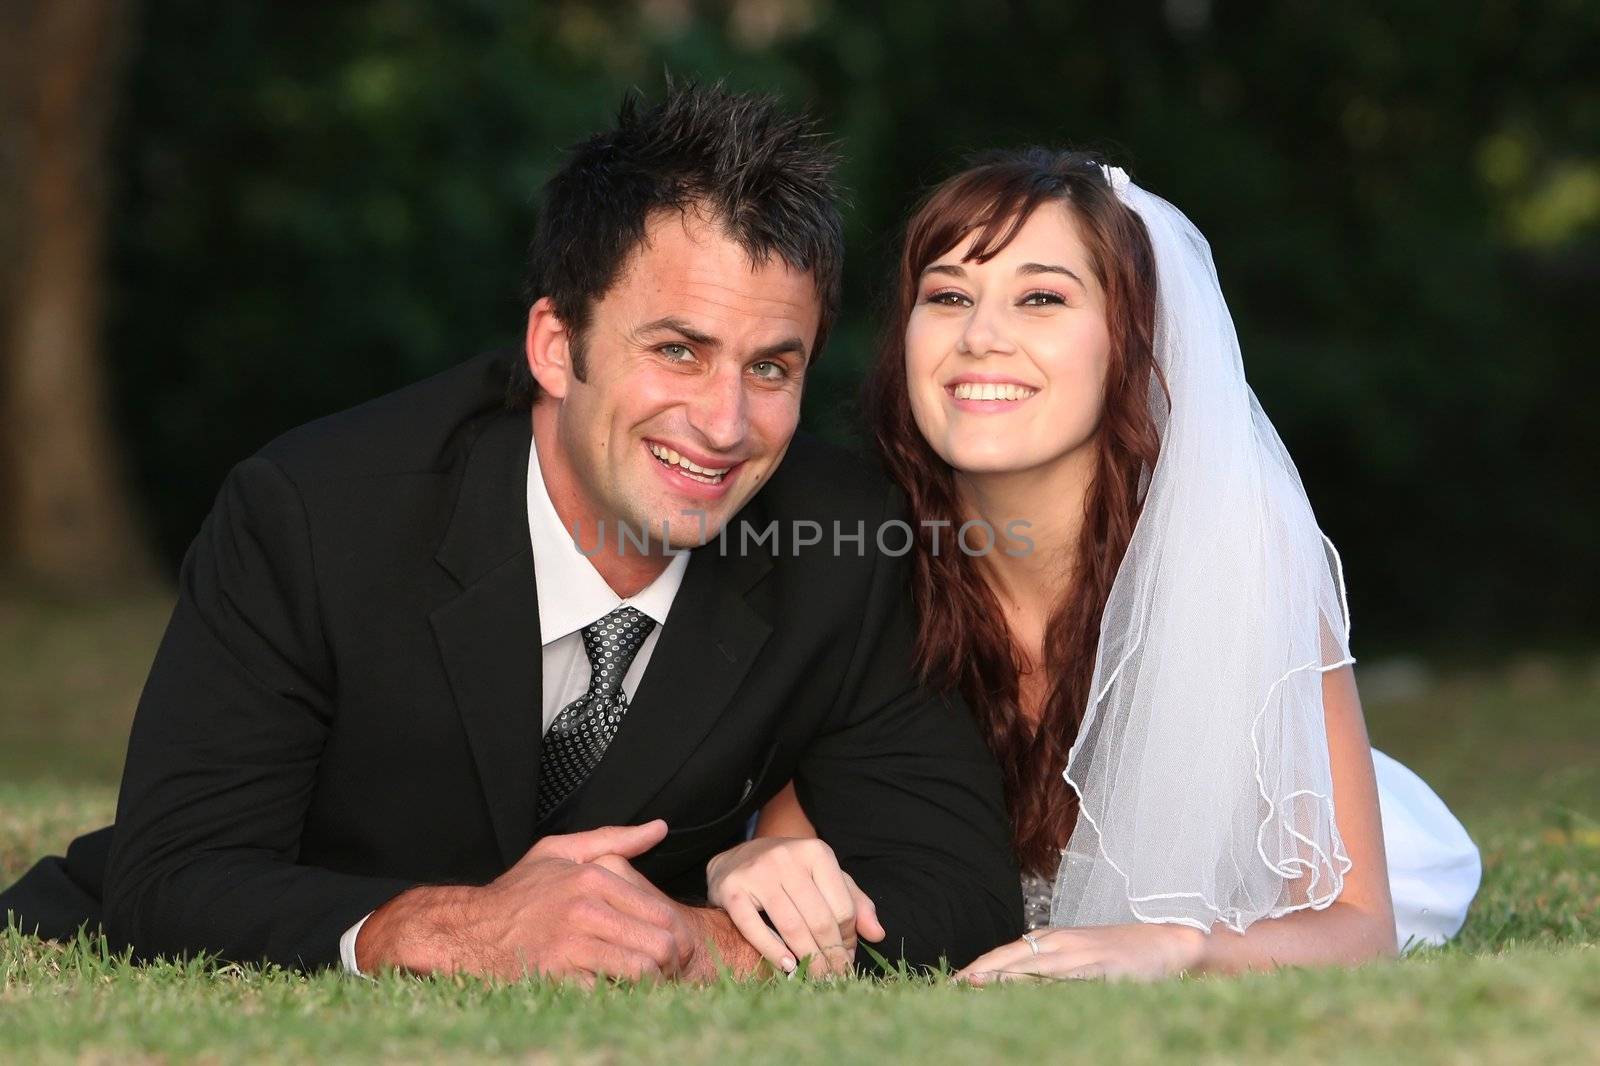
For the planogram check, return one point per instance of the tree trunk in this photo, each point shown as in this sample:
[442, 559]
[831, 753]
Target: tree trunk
[65, 515]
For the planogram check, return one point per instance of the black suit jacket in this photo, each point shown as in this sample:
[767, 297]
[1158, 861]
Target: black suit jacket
[346, 702]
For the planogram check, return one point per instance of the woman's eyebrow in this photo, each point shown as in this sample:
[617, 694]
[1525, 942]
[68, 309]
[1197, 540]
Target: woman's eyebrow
[1029, 269]
[1025, 270]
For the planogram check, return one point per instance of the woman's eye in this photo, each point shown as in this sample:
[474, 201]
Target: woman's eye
[678, 353]
[947, 298]
[1042, 299]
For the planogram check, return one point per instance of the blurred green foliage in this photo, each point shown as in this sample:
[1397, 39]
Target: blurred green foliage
[321, 202]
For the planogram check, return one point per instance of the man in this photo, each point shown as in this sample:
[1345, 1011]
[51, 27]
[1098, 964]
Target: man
[445, 688]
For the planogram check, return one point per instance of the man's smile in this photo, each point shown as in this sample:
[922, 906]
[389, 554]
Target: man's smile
[696, 474]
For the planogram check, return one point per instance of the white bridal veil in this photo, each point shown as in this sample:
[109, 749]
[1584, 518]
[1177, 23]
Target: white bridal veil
[1202, 764]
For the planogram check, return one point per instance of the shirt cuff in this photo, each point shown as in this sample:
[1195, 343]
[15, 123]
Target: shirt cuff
[347, 947]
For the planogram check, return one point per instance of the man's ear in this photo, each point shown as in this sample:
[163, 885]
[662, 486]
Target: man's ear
[548, 349]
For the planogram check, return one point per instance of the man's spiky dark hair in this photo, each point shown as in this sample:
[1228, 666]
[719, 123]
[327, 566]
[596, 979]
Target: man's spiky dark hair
[764, 174]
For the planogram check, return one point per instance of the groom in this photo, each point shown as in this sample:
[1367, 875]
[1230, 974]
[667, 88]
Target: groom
[425, 701]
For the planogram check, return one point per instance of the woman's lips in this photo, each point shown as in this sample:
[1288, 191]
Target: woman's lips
[989, 397]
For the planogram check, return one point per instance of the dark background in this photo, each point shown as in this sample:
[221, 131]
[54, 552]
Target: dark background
[303, 206]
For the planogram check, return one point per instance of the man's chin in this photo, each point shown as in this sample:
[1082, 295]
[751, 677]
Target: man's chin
[682, 522]
[690, 526]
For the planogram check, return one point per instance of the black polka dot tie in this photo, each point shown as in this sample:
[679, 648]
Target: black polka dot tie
[578, 737]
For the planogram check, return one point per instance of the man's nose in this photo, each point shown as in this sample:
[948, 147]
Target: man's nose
[718, 412]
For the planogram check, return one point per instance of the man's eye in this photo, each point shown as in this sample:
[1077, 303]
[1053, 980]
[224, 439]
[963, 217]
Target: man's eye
[770, 370]
[679, 353]
[1042, 299]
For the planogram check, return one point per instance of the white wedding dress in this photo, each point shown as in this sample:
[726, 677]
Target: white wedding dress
[1434, 867]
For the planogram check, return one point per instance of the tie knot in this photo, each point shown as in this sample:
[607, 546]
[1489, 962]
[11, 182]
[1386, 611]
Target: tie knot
[611, 644]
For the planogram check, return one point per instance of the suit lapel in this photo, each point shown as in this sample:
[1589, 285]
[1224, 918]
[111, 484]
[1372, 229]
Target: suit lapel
[488, 636]
[710, 640]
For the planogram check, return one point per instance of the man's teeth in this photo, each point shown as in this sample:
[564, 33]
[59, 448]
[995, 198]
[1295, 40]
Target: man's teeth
[710, 475]
[985, 390]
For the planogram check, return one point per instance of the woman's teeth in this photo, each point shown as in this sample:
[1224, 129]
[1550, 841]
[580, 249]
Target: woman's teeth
[985, 390]
[707, 475]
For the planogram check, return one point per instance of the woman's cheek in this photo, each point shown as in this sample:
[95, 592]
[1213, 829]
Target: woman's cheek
[921, 346]
[922, 364]
[926, 415]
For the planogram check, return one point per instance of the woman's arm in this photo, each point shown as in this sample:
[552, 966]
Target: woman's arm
[794, 878]
[1357, 927]
[783, 817]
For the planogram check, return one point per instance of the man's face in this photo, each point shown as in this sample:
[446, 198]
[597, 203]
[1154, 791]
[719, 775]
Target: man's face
[694, 362]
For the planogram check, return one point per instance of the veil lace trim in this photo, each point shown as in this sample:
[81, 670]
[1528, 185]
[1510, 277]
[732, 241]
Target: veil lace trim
[1202, 767]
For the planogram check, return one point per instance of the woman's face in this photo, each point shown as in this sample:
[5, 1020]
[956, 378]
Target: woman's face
[1006, 360]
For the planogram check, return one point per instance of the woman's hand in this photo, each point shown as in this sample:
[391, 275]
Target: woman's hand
[1138, 952]
[816, 906]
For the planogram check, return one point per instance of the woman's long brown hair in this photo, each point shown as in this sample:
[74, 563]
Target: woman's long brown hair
[963, 642]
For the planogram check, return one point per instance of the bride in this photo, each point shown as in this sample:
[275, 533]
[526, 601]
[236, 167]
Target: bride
[1119, 570]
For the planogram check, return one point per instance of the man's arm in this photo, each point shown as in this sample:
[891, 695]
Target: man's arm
[221, 767]
[571, 907]
[225, 748]
[907, 795]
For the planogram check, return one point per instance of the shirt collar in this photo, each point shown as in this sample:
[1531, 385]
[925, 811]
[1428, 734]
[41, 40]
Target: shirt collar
[572, 594]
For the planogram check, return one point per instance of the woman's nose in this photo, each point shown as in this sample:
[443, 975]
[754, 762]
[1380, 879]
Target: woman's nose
[984, 335]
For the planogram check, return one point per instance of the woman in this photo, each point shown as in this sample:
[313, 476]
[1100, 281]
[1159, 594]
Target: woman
[1140, 596]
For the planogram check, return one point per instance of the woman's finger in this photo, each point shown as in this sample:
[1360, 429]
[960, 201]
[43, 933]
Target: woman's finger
[868, 927]
[792, 926]
[1087, 970]
[841, 902]
[1005, 957]
[747, 919]
[813, 907]
[1052, 966]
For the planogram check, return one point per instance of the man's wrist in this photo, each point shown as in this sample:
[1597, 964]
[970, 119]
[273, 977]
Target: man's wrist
[347, 947]
[721, 945]
[417, 931]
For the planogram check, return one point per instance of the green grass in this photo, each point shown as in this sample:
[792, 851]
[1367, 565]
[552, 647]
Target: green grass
[1514, 748]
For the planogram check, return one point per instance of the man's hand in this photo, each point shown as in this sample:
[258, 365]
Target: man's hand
[718, 940]
[557, 912]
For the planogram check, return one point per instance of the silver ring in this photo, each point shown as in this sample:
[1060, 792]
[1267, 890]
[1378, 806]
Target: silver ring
[1033, 942]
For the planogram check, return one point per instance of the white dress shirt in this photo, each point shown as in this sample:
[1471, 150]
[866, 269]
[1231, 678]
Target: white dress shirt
[572, 594]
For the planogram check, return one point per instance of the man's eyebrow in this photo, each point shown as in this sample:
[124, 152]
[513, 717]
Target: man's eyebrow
[671, 324]
[787, 346]
[682, 329]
